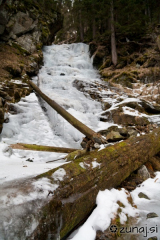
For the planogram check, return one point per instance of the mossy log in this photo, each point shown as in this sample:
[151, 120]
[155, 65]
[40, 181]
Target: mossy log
[96, 137]
[34, 147]
[75, 196]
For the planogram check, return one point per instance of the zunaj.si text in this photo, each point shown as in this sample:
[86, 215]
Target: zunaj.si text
[134, 230]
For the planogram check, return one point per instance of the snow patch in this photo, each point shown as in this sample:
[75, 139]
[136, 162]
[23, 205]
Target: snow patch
[59, 174]
[106, 209]
[95, 164]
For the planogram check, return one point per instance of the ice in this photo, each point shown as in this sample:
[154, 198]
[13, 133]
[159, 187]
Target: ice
[56, 77]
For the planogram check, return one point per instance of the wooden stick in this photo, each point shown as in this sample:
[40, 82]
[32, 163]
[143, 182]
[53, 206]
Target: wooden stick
[34, 147]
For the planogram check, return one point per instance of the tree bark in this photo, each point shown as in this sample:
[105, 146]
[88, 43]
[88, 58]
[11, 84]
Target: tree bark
[113, 38]
[34, 147]
[72, 120]
[81, 29]
[75, 196]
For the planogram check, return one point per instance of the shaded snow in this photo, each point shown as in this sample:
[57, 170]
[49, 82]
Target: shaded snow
[106, 209]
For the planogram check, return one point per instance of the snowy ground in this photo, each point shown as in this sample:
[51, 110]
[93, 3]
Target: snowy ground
[36, 123]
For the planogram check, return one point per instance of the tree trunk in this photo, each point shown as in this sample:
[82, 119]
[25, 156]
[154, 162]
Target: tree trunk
[81, 29]
[113, 39]
[75, 196]
[94, 28]
[72, 120]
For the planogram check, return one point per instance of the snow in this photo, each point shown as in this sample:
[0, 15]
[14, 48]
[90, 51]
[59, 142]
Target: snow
[95, 164]
[29, 125]
[33, 121]
[59, 174]
[106, 209]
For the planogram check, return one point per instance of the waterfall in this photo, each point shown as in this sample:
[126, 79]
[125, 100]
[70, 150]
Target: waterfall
[63, 64]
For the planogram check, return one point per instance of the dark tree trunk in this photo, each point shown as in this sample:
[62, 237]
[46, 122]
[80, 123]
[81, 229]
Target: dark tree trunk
[113, 38]
[81, 29]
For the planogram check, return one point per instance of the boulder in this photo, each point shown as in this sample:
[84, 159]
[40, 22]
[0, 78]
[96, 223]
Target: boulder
[143, 172]
[128, 120]
[21, 23]
[27, 42]
[114, 136]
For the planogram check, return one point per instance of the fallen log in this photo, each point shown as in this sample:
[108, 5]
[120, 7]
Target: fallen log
[96, 137]
[34, 147]
[77, 186]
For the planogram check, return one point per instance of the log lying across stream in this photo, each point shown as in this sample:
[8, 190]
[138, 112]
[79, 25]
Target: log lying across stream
[96, 137]
[76, 194]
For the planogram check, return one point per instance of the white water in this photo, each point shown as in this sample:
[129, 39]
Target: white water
[63, 64]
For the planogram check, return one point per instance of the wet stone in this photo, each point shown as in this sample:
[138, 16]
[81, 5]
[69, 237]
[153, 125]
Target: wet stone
[142, 195]
[152, 215]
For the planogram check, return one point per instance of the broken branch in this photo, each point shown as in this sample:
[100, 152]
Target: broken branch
[34, 147]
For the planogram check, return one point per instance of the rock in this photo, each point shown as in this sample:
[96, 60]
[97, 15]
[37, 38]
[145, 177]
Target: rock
[128, 120]
[26, 41]
[22, 23]
[143, 172]
[96, 145]
[108, 130]
[132, 132]
[153, 238]
[106, 105]
[114, 136]
[123, 131]
[142, 195]
[150, 108]
[152, 215]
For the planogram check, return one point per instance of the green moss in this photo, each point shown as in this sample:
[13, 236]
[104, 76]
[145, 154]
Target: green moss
[21, 50]
[125, 79]
[122, 144]
[45, 32]
[39, 46]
